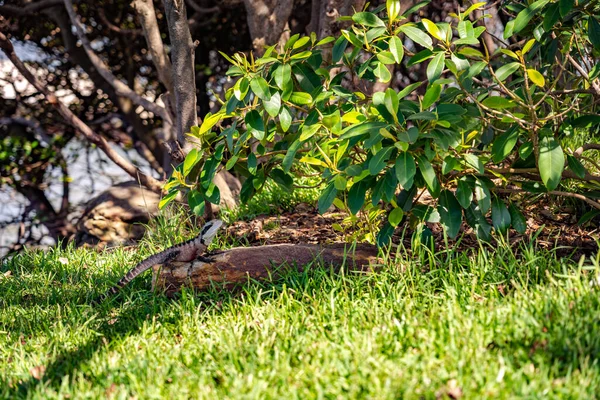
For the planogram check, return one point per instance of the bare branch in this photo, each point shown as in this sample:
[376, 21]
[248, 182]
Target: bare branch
[583, 73]
[120, 88]
[28, 9]
[147, 17]
[146, 180]
[202, 10]
[588, 146]
[591, 202]
[115, 28]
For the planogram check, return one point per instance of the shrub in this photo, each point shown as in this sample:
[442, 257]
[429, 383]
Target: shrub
[485, 124]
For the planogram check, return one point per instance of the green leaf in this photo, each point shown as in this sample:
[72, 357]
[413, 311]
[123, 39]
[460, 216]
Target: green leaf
[517, 219]
[449, 164]
[285, 119]
[327, 197]
[252, 162]
[450, 213]
[417, 36]
[282, 179]
[475, 162]
[565, 7]
[498, 103]
[433, 29]
[385, 235]
[483, 196]
[551, 162]
[478, 222]
[523, 18]
[473, 7]
[464, 194]
[382, 72]
[273, 105]
[379, 160]
[465, 29]
[396, 49]
[551, 16]
[393, 9]
[431, 96]
[408, 90]
[396, 216]
[213, 194]
[507, 70]
[536, 77]
[368, 19]
[325, 41]
[504, 144]
[576, 166]
[260, 87]
[356, 195]
[421, 56]
[435, 67]
[301, 98]
[500, 216]
[338, 49]
[423, 116]
[301, 42]
[594, 32]
[209, 122]
[288, 159]
[390, 100]
[240, 88]
[405, 170]
[283, 76]
[340, 182]
[169, 197]
[308, 131]
[255, 123]
[360, 129]
[196, 202]
[191, 159]
[431, 180]
[386, 57]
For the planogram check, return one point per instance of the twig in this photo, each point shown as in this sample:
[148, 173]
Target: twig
[591, 202]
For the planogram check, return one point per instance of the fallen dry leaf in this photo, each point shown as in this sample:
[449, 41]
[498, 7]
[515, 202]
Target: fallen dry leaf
[38, 372]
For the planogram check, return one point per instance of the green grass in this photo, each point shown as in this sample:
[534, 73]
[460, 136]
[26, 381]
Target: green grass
[492, 324]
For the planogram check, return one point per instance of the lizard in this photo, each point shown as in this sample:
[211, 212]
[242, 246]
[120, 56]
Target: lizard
[183, 252]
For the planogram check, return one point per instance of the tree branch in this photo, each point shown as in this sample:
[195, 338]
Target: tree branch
[120, 88]
[146, 180]
[591, 202]
[28, 9]
[147, 17]
[588, 146]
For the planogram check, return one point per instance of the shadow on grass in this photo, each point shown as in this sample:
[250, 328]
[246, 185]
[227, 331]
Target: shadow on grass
[120, 317]
[566, 338]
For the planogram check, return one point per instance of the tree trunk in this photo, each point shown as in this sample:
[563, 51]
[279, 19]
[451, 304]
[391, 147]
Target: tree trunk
[268, 22]
[184, 78]
[236, 266]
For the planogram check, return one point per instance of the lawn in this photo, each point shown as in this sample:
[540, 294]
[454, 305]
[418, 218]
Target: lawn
[484, 323]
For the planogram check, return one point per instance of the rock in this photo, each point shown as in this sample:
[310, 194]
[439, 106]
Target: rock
[116, 216]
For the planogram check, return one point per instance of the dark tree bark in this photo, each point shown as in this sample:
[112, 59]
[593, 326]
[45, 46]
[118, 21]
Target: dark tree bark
[268, 22]
[184, 78]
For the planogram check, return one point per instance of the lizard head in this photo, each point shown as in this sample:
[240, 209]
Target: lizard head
[209, 230]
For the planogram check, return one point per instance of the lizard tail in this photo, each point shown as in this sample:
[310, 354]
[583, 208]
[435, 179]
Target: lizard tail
[148, 263]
